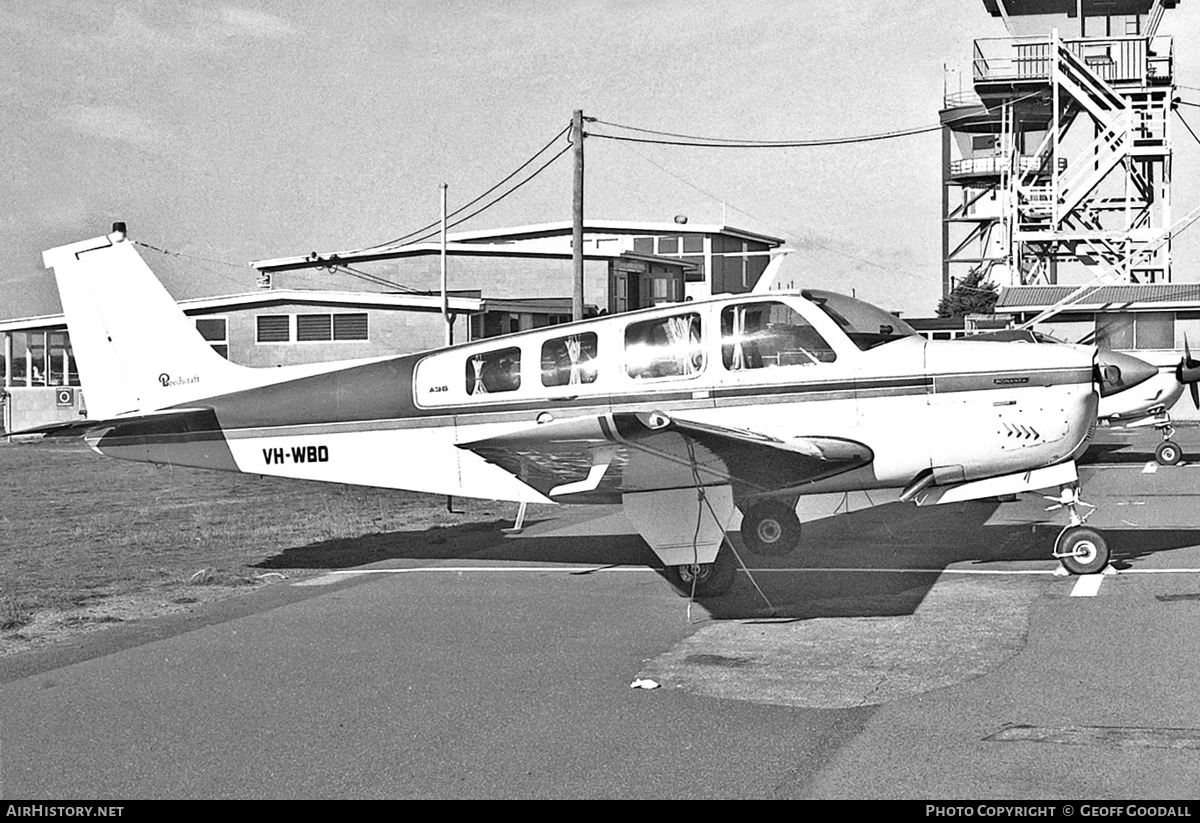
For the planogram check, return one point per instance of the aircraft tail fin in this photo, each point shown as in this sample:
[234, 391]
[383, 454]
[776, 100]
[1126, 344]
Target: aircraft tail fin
[136, 350]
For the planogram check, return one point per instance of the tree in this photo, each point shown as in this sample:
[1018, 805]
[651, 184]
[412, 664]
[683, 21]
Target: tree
[972, 295]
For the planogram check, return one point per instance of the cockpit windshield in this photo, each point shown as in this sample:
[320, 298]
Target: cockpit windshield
[866, 325]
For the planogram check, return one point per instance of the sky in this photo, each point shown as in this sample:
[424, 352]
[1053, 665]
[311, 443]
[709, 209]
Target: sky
[225, 132]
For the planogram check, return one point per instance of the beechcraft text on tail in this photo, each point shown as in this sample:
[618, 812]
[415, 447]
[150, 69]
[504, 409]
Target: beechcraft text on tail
[684, 414]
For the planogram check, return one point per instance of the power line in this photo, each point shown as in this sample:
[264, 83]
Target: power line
[681, 139]
[544, 166]
[1186, 126]
[725, 143]
[468, 204]
[781, 229]
[169, 253]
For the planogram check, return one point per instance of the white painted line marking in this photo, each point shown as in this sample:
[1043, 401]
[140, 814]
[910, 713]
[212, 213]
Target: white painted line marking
[1088, 585]
[1160, 571]
[1081, 586]
[573, 569]
[910, 571]
[1150, 468]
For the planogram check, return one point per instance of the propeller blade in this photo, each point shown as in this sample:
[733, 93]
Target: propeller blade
[1188, 371]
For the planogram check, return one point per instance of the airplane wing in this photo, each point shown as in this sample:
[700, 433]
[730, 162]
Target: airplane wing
[594, 459]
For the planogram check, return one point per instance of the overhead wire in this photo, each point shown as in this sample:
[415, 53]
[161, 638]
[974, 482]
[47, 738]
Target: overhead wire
[182, 255]
[514, 189]
[682, 139]
[473, 201]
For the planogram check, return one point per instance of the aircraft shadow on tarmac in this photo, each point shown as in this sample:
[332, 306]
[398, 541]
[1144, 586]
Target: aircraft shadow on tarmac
[813, 581]
[1110, 453]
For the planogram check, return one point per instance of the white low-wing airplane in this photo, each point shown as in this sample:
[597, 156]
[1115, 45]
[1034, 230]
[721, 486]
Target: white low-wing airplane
[684, 413]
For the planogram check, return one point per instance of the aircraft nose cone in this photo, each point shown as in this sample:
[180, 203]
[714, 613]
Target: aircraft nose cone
[1119, 372]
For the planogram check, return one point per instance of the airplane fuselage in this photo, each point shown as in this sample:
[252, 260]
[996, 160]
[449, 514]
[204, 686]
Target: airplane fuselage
[778, 365]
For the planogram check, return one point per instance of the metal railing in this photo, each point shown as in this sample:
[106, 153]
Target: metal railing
[1141, 60]
[993, 165]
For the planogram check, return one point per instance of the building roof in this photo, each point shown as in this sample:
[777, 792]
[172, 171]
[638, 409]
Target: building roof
[520, 241]
[461, 302]
[1015, 8]
[562, 227]
[1130, 297]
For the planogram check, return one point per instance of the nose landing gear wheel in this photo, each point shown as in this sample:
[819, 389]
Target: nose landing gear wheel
[1081, 550]
[705, 579]
[770, 527]
[1168, 453]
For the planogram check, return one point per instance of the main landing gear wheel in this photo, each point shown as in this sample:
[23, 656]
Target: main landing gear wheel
[770, 527]
[1168, 453]
[705, 579]
[1081, 550]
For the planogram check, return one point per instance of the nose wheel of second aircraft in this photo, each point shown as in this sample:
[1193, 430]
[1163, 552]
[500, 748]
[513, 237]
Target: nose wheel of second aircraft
[1168, 453]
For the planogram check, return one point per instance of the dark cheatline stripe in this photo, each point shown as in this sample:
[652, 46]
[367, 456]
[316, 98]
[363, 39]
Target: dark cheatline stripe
[382, 391]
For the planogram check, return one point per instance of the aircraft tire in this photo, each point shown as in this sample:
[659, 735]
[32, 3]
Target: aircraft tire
[770, 527]
[1087, 549]
[708, 580]
[1168, 453]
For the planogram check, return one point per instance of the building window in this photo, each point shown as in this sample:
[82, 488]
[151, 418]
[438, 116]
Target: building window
[20, 366]
[321, 328]
[667, 347]
[350, 326]
[569, 361]
[1154, 330]
[216, 331]
[1136, 330]
[984, 142]
[765, 335]
[314, 328]
[61, 360]
[37, 356]
[273, 328]
[494, 372]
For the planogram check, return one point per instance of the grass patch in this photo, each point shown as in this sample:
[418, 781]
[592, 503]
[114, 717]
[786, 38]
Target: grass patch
[12, 615]
[81, 531]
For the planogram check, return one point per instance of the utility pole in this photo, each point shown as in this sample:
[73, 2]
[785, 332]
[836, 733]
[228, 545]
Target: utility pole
[445, 293]
[577, 215]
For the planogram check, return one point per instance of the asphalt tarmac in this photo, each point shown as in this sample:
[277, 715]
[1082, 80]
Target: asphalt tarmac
[901, 652]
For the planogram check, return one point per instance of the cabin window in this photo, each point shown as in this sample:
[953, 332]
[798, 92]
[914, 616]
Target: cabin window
[569, 361]
[765, 335]
[665, 347]
[494, 372]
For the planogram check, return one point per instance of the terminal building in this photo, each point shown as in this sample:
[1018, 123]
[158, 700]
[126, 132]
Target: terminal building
[500, 280]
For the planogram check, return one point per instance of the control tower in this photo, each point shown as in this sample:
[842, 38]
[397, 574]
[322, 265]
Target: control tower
[1056, 152]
